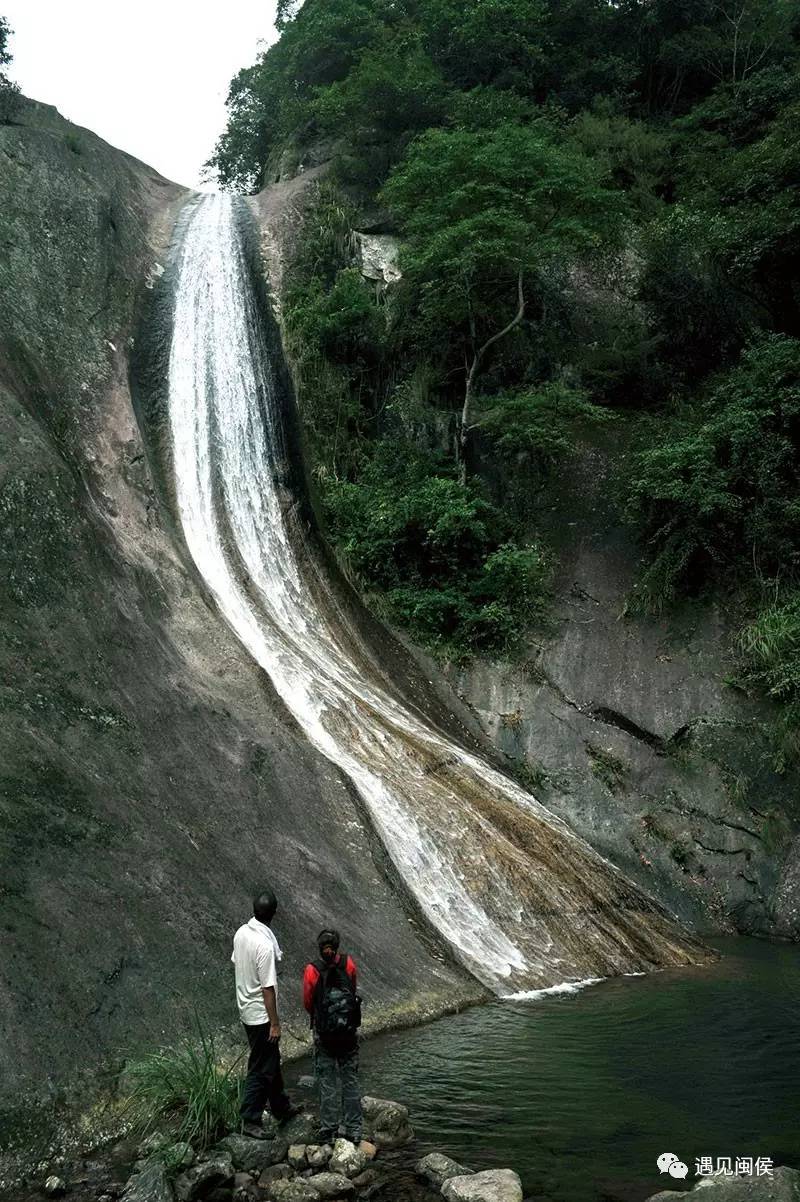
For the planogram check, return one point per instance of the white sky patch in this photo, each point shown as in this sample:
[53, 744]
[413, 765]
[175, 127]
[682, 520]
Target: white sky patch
[150, 78]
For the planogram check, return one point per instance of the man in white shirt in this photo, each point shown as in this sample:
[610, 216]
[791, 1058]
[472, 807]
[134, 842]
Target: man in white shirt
[255, 955]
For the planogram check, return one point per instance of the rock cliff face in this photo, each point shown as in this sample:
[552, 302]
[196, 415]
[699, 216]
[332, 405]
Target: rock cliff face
[628, 727]
[149, 778]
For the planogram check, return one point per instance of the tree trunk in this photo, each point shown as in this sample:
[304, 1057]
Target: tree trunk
[469, 388]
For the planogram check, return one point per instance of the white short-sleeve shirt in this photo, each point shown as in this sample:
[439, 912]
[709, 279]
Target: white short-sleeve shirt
[254, 961]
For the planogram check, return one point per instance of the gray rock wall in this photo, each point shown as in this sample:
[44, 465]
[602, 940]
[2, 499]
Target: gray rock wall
[628, 727]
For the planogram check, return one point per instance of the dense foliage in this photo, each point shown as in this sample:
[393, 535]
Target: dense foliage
[9, 92]
[599, 216]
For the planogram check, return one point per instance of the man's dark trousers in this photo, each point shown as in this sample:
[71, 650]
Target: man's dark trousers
[264, 1082]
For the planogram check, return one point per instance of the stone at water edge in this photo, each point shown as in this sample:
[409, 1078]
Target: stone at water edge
[299, 1130]
[204, 1177]
[368, 1177]
[437, 1169]
[782, 1186]
[369, 1150]
[386, 1122]
[55, 1186]
[151, 1185]
[494, 1185]
[276, 1172]
[297, 1156]
[318, 1155]
[347, 1159]
[291, 1191]
[306, 1082]
[331, 1185]
[252, 1155]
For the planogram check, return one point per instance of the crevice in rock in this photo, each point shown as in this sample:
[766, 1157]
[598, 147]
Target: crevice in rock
[723, 851]
[694, 812]
[604, 713]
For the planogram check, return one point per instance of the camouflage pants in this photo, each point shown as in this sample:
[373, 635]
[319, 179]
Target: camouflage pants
[337, 1083]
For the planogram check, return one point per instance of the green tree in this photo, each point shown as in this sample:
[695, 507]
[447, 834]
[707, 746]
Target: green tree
[499, 42]
[9, 92]
[482, 210]
[717, 491]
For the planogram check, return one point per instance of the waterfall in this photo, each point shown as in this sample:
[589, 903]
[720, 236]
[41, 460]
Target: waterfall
[521, 900]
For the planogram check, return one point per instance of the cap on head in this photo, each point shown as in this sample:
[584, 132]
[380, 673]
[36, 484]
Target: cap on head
[328, 938]
[265, 904]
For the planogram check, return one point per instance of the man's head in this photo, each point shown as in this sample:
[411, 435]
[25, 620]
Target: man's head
[264, 906]
[328, 943]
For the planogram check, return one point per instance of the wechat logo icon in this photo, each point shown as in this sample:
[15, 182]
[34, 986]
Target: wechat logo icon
[668, 1163]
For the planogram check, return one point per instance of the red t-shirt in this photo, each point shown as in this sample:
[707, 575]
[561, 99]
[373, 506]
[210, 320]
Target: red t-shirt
[312, 974]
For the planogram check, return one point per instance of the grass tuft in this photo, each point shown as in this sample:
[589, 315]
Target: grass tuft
[188, 1090]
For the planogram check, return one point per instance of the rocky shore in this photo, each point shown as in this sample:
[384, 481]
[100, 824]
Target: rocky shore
[286, 1166]
[289, 1166]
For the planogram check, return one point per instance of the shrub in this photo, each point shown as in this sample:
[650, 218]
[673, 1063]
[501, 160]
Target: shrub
[438, 550]
[770, 647]
[717, 491]
[538, 423]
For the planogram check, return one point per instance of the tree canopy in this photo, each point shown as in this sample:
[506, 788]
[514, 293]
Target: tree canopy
[597, 208]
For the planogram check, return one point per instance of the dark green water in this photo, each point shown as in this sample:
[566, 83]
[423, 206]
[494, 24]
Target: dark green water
[581, 1092]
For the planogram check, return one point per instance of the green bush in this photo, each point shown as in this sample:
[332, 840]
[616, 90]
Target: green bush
[770, 648]
[438, 551]
[537, 424]
[186, 1088]
[716, 493]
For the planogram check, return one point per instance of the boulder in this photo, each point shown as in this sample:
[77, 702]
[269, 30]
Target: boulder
[347, 1159]
[318, 1155]
[151, 1185]
[154, 1142]
[494, 1185]
[368, 1177]
[203, 1178]
[178, 1156]
[55, 1186]
[386, 1122]
[331, 1185]
[291, 1191]
[436, 1169]
[782, 1186]
[297, 1156]
[369, 1150]
[299, 1130]
[276, 1172]
[252, 1155]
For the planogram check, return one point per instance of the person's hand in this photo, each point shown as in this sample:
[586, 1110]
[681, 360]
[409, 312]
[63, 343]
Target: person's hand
[274, 1032]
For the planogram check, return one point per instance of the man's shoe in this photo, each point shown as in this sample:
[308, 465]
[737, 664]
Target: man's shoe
[291, 1113]
[254, 1130]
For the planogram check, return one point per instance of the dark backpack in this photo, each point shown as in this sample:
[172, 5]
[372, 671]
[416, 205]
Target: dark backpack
[337, 1006]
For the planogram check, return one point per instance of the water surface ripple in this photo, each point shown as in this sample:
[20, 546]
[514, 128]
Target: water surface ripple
[580, 1093]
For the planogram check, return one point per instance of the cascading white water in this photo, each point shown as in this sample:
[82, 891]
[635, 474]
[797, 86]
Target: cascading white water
[519, 897]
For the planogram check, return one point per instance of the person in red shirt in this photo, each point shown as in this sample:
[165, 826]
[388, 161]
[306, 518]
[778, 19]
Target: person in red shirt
[329, 996]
